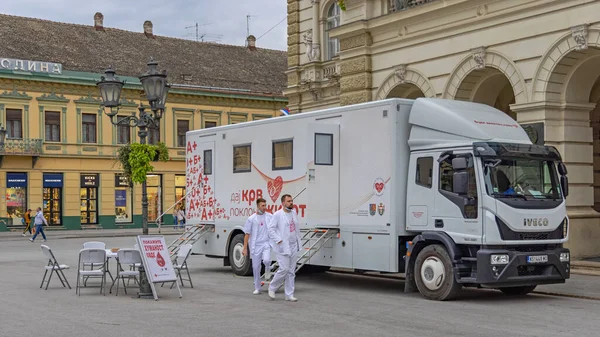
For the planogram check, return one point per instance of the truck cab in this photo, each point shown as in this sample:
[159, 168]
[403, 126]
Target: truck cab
[486, 206]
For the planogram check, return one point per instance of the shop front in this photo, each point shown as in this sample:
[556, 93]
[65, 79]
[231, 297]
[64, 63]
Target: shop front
[123, 200]
[52, 198]
[88, 194]
[154, 188]
[16, 198]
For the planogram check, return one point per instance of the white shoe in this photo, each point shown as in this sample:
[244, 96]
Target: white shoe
[256, 292]
[24, 234]
[291, 298]
[31, 240]
[271, 294]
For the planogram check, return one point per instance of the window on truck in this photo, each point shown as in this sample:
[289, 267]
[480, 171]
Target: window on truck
[446, 186]
[207, 162]
[283, 155]
[424, 171]
[242, 158]
[323, 149]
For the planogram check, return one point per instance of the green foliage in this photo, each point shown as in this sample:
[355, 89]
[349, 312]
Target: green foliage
[342, 5]
[135, 159]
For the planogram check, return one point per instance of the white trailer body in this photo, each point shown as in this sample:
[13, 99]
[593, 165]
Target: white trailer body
[376, 172]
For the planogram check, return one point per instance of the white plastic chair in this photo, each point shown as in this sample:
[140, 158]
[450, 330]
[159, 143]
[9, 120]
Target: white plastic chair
[127, 257]
[184, 252]
[54, 267]
[91, 256]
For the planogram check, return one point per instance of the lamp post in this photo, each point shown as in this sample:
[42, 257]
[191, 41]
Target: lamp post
[156, 90]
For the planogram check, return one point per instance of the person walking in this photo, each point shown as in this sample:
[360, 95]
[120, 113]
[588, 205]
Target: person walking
[284, 233]
[257, 236]
[39, 224]
[27, 220]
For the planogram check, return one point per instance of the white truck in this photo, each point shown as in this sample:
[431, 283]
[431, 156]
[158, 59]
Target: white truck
[450, 193]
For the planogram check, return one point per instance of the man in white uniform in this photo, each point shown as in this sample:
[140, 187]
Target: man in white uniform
[284, 232]
[258, 237]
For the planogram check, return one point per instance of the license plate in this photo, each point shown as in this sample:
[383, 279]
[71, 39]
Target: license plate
[537, 259]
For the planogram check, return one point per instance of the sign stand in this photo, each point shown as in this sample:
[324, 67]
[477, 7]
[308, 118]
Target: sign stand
[157, 261]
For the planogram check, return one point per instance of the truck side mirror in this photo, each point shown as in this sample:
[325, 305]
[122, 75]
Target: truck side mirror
[459, 164]
[562, 169]
[460, 183]
[564, 184]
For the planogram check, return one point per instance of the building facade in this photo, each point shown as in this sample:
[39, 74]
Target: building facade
[536, 60]
[60, 147]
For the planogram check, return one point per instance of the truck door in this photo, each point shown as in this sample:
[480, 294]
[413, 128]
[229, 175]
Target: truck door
[459, 215]
[200, 205]
[323, 178]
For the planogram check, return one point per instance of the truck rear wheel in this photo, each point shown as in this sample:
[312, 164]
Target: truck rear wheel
[434, 274]
[518, 291]
[241, 265]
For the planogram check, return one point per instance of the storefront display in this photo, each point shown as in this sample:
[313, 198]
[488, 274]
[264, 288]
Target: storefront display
[89, 199]
[123, 199]
[16, 198]
[53, 185]
[154, 185]
[180, 189]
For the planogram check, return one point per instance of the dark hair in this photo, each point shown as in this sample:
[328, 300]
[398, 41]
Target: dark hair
[283, 197]
[259, 200]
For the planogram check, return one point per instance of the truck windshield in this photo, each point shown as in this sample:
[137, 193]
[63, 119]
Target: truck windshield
[524, 178]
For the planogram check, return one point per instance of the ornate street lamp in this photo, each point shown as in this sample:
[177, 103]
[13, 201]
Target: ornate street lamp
[156, 89]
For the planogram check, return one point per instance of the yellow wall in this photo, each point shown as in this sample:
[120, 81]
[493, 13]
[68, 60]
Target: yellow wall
[72, 157]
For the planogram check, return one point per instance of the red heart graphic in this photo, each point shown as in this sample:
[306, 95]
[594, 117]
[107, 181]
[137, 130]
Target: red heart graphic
[160, 260]
[379, 187]
[274, 187]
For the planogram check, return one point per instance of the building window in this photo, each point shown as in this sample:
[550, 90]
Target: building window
[323, 149]
[180, 182]
[16, 198]
[424, 171]
[207, 162]
[333, 20]
[14, 123]
[209, 124]
[183, 126]
[242, 157]
[88, 195]
[283, 155]
[52, 120]
[88, 128]
[153, 134]
[123, 132]
[154, 183]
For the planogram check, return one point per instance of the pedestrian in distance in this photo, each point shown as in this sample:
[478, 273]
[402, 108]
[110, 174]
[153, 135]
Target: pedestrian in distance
[284, 233]
[39, 224]
[257, 237]
[27, 222]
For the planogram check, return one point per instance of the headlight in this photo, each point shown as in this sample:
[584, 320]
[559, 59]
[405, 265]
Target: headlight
[499, 259]
[564, 257]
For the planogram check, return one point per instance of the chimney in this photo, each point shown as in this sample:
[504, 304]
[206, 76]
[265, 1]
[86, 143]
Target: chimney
[251, 42]
[99, 21]
[148, 29]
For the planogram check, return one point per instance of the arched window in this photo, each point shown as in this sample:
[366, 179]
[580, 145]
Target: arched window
[333, 20]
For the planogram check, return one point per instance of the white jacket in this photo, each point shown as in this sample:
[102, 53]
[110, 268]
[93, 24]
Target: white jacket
[257, 235]
[279, 230]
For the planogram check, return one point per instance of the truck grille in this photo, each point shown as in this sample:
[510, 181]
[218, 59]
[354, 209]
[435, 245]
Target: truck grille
[510, 235]
[531, 270]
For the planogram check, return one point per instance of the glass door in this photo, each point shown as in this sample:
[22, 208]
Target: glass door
[89, 205]
[53, 205]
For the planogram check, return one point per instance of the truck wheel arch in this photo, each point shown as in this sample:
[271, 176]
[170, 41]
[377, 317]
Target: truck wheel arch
[232, 234]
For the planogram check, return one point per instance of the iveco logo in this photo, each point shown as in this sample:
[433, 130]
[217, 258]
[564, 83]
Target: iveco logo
[528, 222]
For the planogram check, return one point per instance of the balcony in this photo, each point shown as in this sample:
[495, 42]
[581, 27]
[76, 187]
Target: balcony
[21, 147]
[398, 5]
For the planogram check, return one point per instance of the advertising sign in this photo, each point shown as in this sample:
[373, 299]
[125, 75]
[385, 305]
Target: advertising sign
[156, 260]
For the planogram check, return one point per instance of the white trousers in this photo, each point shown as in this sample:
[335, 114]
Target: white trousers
[262, 254]
[286, 272]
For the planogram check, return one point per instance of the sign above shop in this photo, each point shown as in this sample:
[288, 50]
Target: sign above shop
[32, 66]
[53, 180]
[121, 181]
[16, 180]
[89, 180]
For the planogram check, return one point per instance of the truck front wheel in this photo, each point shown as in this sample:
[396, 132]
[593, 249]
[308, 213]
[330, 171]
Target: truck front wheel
[241, 265]
[518, 291]
[434, 274]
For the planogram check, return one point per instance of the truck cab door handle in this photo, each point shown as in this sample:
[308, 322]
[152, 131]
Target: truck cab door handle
[439, 223]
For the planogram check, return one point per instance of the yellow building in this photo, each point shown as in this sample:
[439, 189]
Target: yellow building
[60, 147]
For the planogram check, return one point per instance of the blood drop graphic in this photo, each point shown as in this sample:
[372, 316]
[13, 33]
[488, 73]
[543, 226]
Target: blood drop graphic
[160, 260]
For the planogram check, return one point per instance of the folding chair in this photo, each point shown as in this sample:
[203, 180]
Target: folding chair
[54, 267]
[91, 256]
[127, 257]
[92, 244]
[184, 252]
